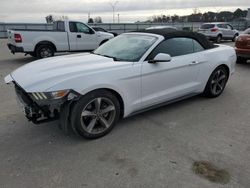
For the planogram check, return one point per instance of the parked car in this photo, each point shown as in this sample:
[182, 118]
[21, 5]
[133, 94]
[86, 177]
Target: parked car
[162, 27]
[242, 47]
[218, 31]
[100, 29]
[66, 36]
[129, 74]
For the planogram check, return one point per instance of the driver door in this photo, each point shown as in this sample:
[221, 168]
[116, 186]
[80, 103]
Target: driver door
[85, 37]
[165, 81]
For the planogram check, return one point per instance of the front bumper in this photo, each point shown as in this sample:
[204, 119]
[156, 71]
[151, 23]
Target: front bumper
[34, 112]
[15, 49]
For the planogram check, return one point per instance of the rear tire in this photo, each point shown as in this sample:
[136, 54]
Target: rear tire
[45, 51]
[216, 82]
[95, 114]
[218, 39]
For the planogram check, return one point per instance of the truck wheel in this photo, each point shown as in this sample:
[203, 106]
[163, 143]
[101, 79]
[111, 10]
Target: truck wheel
[45, 51]
[218, 38]
[216, 83]
[95, 114]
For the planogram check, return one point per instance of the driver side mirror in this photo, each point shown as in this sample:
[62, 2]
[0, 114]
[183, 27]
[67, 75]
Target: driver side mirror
[161, 57]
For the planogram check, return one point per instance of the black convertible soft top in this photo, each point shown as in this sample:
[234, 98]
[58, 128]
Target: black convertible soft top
[170, 33]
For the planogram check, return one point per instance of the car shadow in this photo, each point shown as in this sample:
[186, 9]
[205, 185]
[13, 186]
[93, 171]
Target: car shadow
[245, 65]
[165, 108]
[50, 132]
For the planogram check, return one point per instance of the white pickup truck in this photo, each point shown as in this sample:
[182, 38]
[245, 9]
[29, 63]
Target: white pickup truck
[66, 36]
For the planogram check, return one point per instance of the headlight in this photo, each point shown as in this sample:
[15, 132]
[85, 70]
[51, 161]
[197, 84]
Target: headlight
[49, 95]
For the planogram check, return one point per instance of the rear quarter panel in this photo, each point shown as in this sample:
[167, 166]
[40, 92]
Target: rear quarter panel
[221, 55]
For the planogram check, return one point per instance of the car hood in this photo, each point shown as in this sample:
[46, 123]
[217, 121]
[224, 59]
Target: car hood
[105, 34]
[41, 75]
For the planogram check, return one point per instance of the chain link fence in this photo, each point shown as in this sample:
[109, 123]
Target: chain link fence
[117, 27]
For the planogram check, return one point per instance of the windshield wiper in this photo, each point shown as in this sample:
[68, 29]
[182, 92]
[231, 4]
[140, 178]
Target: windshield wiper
[114, 58]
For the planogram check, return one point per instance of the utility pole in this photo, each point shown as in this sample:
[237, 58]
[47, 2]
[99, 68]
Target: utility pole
[113, 5]
[88, 15]
[118, 15]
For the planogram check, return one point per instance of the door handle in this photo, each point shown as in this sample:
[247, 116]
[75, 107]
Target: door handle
[79, 36]
[197, 62]
[194, 63]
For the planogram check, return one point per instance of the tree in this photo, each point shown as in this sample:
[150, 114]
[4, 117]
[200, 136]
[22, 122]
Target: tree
[239, 13]
[49, 19]
[98, 19]
[175, 18]
[223, 16]
[90, 20]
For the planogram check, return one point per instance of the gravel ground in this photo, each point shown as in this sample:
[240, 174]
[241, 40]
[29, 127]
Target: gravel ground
[153, 149]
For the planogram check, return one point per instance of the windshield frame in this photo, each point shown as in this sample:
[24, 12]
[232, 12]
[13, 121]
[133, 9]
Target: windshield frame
[155, 42]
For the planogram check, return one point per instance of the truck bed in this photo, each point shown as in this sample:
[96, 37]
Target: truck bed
[37, 30]
[30, 39]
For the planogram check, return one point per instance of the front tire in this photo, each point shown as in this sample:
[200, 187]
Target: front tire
[95, 114]
[216, 83]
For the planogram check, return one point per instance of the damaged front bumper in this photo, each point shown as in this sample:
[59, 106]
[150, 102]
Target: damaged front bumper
[41, 111]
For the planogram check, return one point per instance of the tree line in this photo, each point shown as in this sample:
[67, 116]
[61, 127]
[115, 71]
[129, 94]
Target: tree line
[223, 16]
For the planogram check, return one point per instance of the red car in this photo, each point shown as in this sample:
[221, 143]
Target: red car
[242, 47]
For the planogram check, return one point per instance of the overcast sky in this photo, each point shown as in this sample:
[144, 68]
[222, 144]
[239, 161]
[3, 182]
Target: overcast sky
[129, 10]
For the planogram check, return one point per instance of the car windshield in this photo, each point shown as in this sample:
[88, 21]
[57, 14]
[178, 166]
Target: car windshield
[247, 31]
[126, 47]
[207, 26]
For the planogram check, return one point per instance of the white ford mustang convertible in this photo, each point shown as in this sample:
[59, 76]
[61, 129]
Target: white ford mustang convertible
[131, 73]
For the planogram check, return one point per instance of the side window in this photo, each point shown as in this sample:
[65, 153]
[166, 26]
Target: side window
[101, 29]
[230, 27]
[197, 46]
[223, 26]
[72, 27]
[60, 26]
[174, 47]
[81, 28]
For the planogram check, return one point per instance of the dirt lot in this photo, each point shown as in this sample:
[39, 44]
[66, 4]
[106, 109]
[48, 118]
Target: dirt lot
[153, 149]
